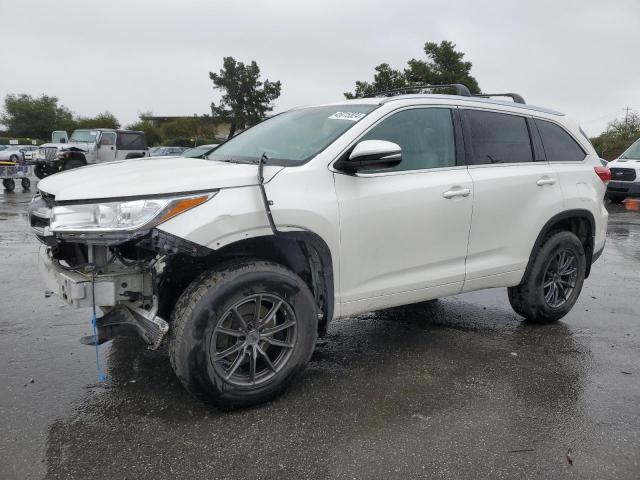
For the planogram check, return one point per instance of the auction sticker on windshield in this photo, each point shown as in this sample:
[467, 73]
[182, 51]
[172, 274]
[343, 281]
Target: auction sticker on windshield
[351, 116]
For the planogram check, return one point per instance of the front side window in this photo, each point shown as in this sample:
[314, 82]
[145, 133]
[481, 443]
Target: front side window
[498, 138]
[293, 137]
[558, 144]
[108, 138]
[425, 136]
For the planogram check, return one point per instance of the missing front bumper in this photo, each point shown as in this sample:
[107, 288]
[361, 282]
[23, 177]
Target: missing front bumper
[125, 320]
[125, 294]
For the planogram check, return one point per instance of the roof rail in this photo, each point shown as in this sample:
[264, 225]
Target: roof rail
[459, 88]
[516, 97]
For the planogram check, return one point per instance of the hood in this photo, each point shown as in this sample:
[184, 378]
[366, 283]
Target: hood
[86, 146]
[150, 176]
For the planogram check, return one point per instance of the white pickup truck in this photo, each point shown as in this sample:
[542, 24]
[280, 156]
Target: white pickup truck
[86, 147]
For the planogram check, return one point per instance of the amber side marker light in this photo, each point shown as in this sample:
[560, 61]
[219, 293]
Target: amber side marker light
[182, 206]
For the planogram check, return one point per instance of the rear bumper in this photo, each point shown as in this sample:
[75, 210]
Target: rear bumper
[596, 255]
[624, 188]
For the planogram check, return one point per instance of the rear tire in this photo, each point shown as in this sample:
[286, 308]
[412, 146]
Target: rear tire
[217, 314]
[26, 183]
[554, 280]
[8, 184]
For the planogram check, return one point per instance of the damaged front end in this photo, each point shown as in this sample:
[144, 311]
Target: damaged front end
[121, 269]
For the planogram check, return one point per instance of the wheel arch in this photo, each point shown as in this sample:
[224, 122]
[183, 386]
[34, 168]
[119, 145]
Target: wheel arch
[581, 222]
[303, 252]
[73, 155]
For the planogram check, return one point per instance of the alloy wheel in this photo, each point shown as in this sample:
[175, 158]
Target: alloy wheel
[253, 340]
[560, 278]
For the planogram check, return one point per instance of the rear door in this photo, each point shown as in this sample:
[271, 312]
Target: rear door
[404, 230]
[573, 164]
[515, 193]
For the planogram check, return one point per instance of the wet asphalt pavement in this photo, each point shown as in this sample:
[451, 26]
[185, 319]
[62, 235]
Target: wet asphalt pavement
[459, 388]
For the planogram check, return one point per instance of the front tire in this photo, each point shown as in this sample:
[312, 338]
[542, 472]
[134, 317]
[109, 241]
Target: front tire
[554, 280]
[41, 171]
[26, 183]
[240, 333]
[73, 163]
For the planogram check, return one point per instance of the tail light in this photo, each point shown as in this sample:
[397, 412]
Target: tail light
[604, 173]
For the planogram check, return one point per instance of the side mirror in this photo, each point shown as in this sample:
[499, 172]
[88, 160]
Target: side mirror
[371, 155]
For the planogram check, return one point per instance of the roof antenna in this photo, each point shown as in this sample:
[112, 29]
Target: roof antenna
[267, 203]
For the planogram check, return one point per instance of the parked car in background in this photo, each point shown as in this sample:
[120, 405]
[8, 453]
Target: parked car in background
[86, 147]
[625, 175]
[17, 153]
[200, 152]
[325, 212]
[167, 151]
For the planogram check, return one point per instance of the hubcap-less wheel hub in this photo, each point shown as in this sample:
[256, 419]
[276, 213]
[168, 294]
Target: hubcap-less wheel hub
[560, 278]
[253, 340]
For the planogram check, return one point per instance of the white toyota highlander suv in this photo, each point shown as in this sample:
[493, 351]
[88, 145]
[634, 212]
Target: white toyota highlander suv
[319, 213]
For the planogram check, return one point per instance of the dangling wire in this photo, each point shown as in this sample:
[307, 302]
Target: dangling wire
[94, 322]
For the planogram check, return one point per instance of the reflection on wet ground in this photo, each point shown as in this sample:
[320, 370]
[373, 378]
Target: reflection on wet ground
[457, 388]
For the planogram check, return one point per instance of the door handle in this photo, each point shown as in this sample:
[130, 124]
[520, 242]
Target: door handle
[545, 181]
[456, 192]
[113, 148]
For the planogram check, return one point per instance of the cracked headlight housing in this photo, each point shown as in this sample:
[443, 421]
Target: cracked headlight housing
[123, 216]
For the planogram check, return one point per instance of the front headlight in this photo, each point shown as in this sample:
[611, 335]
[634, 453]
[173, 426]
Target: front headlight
[125, 216]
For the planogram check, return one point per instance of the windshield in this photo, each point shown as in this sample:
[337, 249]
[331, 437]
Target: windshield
[292, 137]
[198, 152]
[633, 152]
[88, 136]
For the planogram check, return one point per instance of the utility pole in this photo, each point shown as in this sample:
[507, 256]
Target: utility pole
[626, 116]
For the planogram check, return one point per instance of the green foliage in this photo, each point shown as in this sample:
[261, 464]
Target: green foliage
[618, 136]
[27, 116]
[180, 127]
[189, 141]
[245, 100]
[104, 120]
[443, 65]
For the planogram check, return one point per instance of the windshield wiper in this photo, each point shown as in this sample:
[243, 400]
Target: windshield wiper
[267, 203]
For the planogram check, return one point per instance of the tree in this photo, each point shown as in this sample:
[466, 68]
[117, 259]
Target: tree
[443, 65]
[26, 116]
[245, 100]
[618, 136]
[104, 119]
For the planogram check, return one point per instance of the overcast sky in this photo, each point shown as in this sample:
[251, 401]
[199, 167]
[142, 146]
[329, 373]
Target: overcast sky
[579, 57]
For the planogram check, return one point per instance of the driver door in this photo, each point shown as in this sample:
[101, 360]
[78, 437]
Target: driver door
[107, 147]
[404, 230]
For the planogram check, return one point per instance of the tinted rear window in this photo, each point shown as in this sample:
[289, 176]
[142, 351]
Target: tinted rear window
[498, 138]
[558, 145]
[131, 141]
